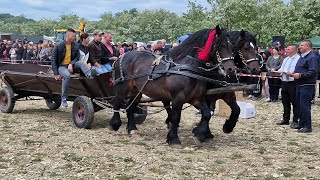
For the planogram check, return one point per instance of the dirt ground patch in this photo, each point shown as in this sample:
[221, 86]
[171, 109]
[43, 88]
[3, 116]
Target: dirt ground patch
[37, 143]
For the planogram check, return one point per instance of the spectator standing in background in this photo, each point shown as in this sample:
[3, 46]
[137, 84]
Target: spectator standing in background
[273, 64]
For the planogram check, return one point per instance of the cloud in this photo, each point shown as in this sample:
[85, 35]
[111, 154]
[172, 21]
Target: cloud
[34, 3]
[38, 9]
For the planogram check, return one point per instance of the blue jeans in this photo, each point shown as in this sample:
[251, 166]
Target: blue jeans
[104, 68]
[304, 96]
[65, 75]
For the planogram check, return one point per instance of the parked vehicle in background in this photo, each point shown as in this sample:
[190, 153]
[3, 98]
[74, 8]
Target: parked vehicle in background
[60, 34]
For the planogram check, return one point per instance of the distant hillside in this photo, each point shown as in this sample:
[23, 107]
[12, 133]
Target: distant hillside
[6, 18]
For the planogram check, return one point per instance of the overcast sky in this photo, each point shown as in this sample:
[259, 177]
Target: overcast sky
[89, 9]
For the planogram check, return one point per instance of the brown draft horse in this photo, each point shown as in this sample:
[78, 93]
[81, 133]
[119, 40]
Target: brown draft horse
[174, 79]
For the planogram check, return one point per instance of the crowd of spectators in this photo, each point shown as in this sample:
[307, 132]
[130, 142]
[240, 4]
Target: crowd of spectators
[24, 51]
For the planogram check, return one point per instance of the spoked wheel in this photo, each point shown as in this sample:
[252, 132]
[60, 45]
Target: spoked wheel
[53, 103]
[6, 100]
[82, 112]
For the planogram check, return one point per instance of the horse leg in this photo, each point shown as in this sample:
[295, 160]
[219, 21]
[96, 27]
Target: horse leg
[202, 130]
[230, 123]
[166, 105]
[172, 137]
[115, 122]
[131, 126]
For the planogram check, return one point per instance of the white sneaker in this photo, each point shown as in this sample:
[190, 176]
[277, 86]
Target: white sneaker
[64, 103]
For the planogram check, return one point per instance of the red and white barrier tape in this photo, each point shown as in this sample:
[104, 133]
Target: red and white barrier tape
[259, 76]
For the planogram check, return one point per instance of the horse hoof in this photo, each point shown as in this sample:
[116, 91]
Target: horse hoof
[174, 142]
[135, 133]
[227, 128]
[114, 127]
[209, 136]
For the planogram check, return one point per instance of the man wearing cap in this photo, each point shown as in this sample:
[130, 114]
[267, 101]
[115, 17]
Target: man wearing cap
[95, 53]
[65, 58]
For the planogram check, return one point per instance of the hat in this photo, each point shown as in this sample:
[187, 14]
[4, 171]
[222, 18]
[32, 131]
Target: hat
[275, 43]
[98, 32]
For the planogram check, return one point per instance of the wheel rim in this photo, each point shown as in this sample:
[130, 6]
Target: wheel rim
[3, 100]
[80, 114]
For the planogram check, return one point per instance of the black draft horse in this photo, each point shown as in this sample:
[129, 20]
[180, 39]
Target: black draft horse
[247, 62]
[137, 74]
[244, 45]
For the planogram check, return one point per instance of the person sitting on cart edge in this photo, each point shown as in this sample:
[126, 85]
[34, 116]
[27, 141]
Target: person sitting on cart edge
[65, 59]
[98, 61]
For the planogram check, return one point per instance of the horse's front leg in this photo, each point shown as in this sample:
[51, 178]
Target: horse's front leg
[131, 126]
[115, 122]
[202, 131]
[230, 99]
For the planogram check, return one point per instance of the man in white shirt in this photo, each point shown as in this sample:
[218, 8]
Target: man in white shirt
[288, 87]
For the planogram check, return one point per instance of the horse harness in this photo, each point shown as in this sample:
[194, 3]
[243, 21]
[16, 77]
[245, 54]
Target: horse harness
[172, 68]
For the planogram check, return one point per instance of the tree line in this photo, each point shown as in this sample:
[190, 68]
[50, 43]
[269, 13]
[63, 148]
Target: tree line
[295, 19]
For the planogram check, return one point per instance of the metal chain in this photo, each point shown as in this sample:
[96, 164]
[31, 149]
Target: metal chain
[218, 57]
[242, 58]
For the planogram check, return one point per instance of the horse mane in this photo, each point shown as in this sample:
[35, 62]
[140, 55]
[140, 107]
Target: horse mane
[237, 44]
[191, 45]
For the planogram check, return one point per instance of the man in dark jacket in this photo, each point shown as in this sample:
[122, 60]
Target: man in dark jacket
[305, 74]
[64, 59]
[108, 52]
[95, 53]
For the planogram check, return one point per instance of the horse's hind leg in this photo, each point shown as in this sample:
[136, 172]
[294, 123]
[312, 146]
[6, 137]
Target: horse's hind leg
[230, 123]
[131, 126]
[166, 105]
[172, 137]
[202, 131]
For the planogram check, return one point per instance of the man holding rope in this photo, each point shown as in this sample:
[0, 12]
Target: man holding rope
[288, 87]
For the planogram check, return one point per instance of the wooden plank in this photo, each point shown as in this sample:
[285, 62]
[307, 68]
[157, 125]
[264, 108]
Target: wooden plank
[231, 89]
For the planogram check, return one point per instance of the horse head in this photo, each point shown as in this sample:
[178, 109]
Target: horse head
[245, 50]
[221, 52]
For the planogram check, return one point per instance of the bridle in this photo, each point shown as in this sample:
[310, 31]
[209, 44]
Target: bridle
[246, 61]
[221, 60]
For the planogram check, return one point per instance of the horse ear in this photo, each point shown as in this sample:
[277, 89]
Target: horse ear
[242, 33]
[218, 29]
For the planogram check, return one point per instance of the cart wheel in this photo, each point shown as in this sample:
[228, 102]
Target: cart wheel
[6, 100]
[140, 114]
[82, 112]
[53, 103]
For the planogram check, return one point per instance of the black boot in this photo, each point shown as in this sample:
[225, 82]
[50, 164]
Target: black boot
[283, 122]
